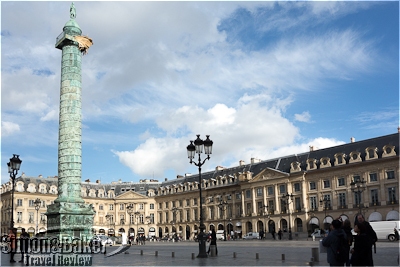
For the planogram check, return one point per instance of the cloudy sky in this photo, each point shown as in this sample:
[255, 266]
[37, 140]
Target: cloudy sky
[263, 79]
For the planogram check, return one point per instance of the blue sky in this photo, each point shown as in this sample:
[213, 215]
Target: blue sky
[263, 79]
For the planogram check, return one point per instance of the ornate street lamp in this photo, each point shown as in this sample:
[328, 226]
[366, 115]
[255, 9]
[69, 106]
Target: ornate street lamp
[287, 199]
[137, 214]
[37, 203]
[357, 187]
[222, 207]
[13, 168]
[192, 149]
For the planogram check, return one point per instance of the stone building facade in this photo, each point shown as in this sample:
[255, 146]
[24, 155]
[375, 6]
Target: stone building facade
[296, 192]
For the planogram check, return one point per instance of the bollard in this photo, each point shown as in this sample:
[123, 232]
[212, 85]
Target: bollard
[213, 250]
[234, 254]
[192, 256]
[141, 252]
[257, 256]
[283, 257]
[314, 254]
[156, 254]
[173, 255]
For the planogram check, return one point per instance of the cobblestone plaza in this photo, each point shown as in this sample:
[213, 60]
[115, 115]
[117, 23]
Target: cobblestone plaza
[270, 253]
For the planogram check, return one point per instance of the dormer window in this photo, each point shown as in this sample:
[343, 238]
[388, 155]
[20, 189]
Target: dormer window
[388, 151]
[371, 153]
[325, 162]
[295, 167]
[355, 157]
[311, 164]
[340, 159]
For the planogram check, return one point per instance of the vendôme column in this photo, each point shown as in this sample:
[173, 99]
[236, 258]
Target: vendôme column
[69, 216]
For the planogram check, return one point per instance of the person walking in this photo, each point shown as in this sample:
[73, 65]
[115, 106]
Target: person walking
[213, 242]
[396, 234]
[361, 252]
[369, 231]
[333, 243]
[24, 243]
[347, 229]
[280, 234]
[12, 235]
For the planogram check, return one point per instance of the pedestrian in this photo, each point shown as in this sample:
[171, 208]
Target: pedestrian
[273, 234]
[396, 234]
[333, 243]
[361, 252]
[12, 234]
[213, 242]
[24, 243]
[280, 234]
[369, 231]
[347, 229]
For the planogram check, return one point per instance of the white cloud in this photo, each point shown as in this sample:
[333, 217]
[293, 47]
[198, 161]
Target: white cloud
[303, 117]
[9, 128]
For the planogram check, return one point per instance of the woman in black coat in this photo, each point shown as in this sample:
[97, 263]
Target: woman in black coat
[361, 252]
[213, 242]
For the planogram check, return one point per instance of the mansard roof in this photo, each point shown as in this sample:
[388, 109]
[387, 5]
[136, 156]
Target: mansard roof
[283, 164]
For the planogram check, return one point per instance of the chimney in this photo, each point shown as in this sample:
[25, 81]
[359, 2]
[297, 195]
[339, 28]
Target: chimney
[40, 176]
[352, 140]
[254, 160]
[219, 168]
[97, 181]
[311, 148]
[241, 162]
[166, 179]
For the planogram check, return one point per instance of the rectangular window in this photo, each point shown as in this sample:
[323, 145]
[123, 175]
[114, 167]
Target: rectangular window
[259, 207]
[19, 202]
[282, 188]
[166, 205]
[357, 198]
[151, 217]
[297, 187]
[341, 181]
[248, 209]
[390, 174]
[327, 184]
[374, 196]
[152, 206]
[392, 195]
[313, 186]
[160, 205]
[141, 206]
[297, 204]
[30, 217]
[111, 207]
[259, 191]
[373, 177]
[121, 206]
[195, 201]
[313, 203]
[271, 206]
[238, 195]
[31, 203]
[101, 220]
[19, 217]
[248, 194]
[270, 190]
[356, 178]
[187, 202]
[326, 202]
[283, 206]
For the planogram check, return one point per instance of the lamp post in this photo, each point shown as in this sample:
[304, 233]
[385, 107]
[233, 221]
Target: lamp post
[357, 187]
[129, 209]
[222, 207]
[192, 149]
[37, 203]
[325, 202]
[287, 199]
[137, 216]
[264, 211]
[13, 168]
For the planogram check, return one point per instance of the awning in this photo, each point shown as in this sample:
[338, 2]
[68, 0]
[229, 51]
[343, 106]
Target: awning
[314, 220]
[375, 216]
[328, 219]
[393, 215]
